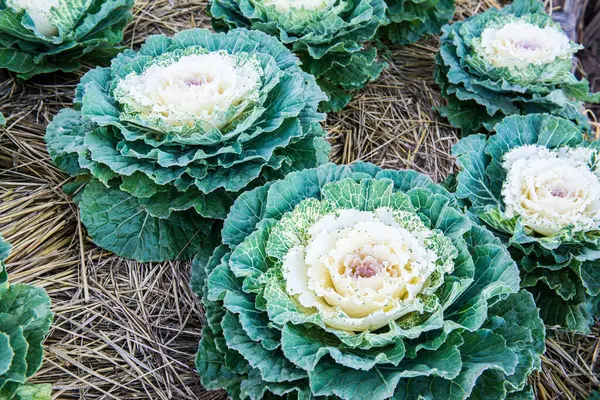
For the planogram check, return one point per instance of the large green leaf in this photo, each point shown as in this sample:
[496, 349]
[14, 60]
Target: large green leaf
[120, 223]
[4, 249]
[6, 353]
[411, 20]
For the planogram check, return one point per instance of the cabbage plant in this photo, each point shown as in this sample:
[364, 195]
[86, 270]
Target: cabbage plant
[327, 35]
[168, 136]
[411, 20]
[536, 185]
[505, 62]
[362, 283]
[25, 320]
[41, 36]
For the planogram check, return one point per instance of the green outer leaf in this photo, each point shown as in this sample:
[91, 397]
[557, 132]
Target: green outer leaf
[411, 20]
[17, 373]
[272, 367]
[213, 372]
[6, 353]
[577, 314]
[4, 249]
[306, 348]
[560, 270]
[514, 320]
[64, 140]
[120, 223]
[486, 337]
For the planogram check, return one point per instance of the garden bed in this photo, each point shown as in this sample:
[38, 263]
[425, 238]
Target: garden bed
[126, 330]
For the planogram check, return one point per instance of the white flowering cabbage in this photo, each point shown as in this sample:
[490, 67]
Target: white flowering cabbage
[285, 6]
[536, 184]
[518, 44]
[552, 189]
[362, 284]
[167, 137]
[329, 36]
[208, 89]
[42, 36]
[512, 61]
[369, 265]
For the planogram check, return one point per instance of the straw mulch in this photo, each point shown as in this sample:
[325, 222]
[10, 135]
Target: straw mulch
[125, 330]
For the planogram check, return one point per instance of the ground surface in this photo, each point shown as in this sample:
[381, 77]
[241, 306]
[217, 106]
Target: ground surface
[125, 330]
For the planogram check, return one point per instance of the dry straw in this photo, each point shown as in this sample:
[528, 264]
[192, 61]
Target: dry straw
[125, 330]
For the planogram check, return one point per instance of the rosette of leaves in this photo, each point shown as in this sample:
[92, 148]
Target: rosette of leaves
[536, 185]
[169, 135]
[25, 320]
[42, 36]
[328, 36]
[361, 283]
[505, 62]
[411, 20]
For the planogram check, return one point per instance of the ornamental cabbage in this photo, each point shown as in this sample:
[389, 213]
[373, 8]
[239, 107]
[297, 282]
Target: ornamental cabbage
[511, 61]
[41, 36]
[536, 185]
[410, 20]
[168, 136]
[25, 320]
[362, 283]
[328, 36]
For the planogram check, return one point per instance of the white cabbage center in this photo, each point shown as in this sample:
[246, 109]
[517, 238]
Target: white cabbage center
[363, 264]
[519, 44]
[198, 87]
[284, 6]
[552, 189]
[39, 12]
